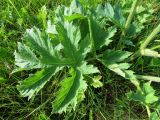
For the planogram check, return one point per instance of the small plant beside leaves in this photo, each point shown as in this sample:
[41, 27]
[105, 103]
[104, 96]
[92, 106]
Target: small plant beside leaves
[78, 37]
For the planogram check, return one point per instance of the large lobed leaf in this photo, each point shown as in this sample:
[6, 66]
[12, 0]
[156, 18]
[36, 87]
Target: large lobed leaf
[62, 45]
[113, 14]
[26, 58]
[145, 96]
[36, 82]
[67, 95]
[100, 36]
[112, 60]
[39, 51]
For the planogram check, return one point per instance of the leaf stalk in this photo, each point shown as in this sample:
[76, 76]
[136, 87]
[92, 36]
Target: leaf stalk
[149, 78]
[128, 22]
[130, 17]
[150, 37]
[91, 37]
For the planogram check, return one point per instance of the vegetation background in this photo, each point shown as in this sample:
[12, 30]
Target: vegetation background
[106, 103]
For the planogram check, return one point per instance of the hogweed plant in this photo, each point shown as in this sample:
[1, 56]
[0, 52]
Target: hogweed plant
[75, 39]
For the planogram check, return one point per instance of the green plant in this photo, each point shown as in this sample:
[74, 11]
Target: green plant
[79, 37]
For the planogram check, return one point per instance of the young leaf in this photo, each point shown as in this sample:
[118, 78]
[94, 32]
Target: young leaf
[96, 83]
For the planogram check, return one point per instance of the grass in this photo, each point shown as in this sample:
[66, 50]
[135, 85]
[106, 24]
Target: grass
[106, 103]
